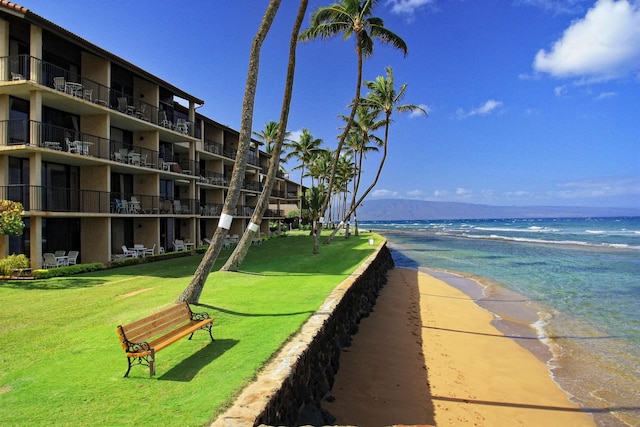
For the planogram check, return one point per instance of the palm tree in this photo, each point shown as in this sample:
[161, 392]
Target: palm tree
[364, 124]
[320, 168]
[314, 198]
[348, 17]
[243, 246]
[192, 292]
[305, 150]
[383, 97]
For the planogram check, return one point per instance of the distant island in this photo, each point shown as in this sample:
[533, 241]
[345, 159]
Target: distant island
[405, 209]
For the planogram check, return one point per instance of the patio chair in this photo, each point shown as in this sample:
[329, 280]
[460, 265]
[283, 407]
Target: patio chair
[177, 207]
[128, 253]
[59, 83]
[59, 253]
[16, 76]
[178, 245]
[73, 257]
[124, 107]
[50, 261]
[150, 251]
[88, 95]
[163, 121]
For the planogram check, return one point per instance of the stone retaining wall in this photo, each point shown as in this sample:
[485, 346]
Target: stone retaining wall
[289, 390]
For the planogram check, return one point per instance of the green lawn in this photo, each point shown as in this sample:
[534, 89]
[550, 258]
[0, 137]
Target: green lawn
[62, 363]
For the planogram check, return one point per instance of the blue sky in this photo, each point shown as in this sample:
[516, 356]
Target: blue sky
[531, 102]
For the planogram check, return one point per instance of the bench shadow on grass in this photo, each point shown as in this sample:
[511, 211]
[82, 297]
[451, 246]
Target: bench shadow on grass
[189, 367]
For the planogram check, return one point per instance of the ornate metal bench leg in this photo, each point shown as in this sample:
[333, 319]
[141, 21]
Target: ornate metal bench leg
[129, 368]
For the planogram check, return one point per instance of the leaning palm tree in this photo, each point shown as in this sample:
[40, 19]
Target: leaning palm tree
[348, 17]
[383, 97]
[359, 143]
[242, 248]
[192, 292]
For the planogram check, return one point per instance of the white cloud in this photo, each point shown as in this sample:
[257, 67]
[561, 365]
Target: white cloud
[485, 109]
[597, 187]
[407, 7]
[415, 194]
[418, 113]
[555, 6]
[606, 95]
[384, 194]
[604, 45]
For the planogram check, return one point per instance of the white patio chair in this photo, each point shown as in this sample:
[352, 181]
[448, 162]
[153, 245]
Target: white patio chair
[73, 257]
[178, 245]
[129, 253]
[59, 83]
[50, 261]
[150, 251]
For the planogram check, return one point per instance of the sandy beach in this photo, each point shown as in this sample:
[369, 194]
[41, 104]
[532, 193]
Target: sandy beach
[428, 355]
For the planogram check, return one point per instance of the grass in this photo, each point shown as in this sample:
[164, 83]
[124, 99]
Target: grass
[62, 363]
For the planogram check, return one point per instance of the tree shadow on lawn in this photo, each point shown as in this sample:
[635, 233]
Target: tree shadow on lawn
[189, 367]
[53, 284]
[238, 313]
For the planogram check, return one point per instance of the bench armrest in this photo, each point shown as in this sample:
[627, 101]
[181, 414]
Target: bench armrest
[200, 316]
[137, 347]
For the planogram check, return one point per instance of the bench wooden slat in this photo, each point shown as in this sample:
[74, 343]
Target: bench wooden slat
[143, 338]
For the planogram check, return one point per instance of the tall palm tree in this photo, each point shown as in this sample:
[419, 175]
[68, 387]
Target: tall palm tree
[320, 168]
[305, 150]
[242, 248]
[314, 198]
[349, 17]
[359, 143]
[192, 292]
[383, 97]
[269, 137]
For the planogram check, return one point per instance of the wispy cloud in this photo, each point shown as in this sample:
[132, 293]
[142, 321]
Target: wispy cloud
[597, 187]
[408, 8]
[606, 95]
[603, 45]
[384, 194]
[489, 107]
[558, 7]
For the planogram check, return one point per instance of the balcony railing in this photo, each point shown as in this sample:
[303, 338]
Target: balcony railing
[25, 67]
[26, 132]
[72, 200]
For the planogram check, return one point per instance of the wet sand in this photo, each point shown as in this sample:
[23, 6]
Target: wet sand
[428, 355]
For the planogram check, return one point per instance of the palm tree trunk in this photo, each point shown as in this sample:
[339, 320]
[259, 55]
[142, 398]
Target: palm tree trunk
[356, 100]
[241, 250]
[193, 291]
[375, 181]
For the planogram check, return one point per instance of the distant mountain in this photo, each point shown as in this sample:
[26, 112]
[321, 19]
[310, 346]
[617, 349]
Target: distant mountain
[401, 209]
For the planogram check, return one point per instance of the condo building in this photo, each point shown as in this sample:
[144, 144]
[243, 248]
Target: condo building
[103, 154]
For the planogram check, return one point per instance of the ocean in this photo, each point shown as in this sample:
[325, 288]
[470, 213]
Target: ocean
[566, 289]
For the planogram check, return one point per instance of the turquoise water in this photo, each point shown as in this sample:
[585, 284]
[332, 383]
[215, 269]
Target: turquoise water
[581, 278]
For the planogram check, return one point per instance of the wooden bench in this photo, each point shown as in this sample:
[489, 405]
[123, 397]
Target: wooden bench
[143, 338]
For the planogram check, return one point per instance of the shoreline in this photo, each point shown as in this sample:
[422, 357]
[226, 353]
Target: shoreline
[428, 354]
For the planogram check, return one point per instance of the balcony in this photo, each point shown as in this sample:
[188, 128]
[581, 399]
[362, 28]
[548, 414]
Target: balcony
[64, 140]
[72, 200]
[25, 68]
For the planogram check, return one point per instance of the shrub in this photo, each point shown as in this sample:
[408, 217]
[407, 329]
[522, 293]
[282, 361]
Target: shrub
[12, 262]
[67, 271]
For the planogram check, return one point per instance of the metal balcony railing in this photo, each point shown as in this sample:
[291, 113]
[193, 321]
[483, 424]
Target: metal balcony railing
[25, 67]
[36, 198]
[26, 132]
